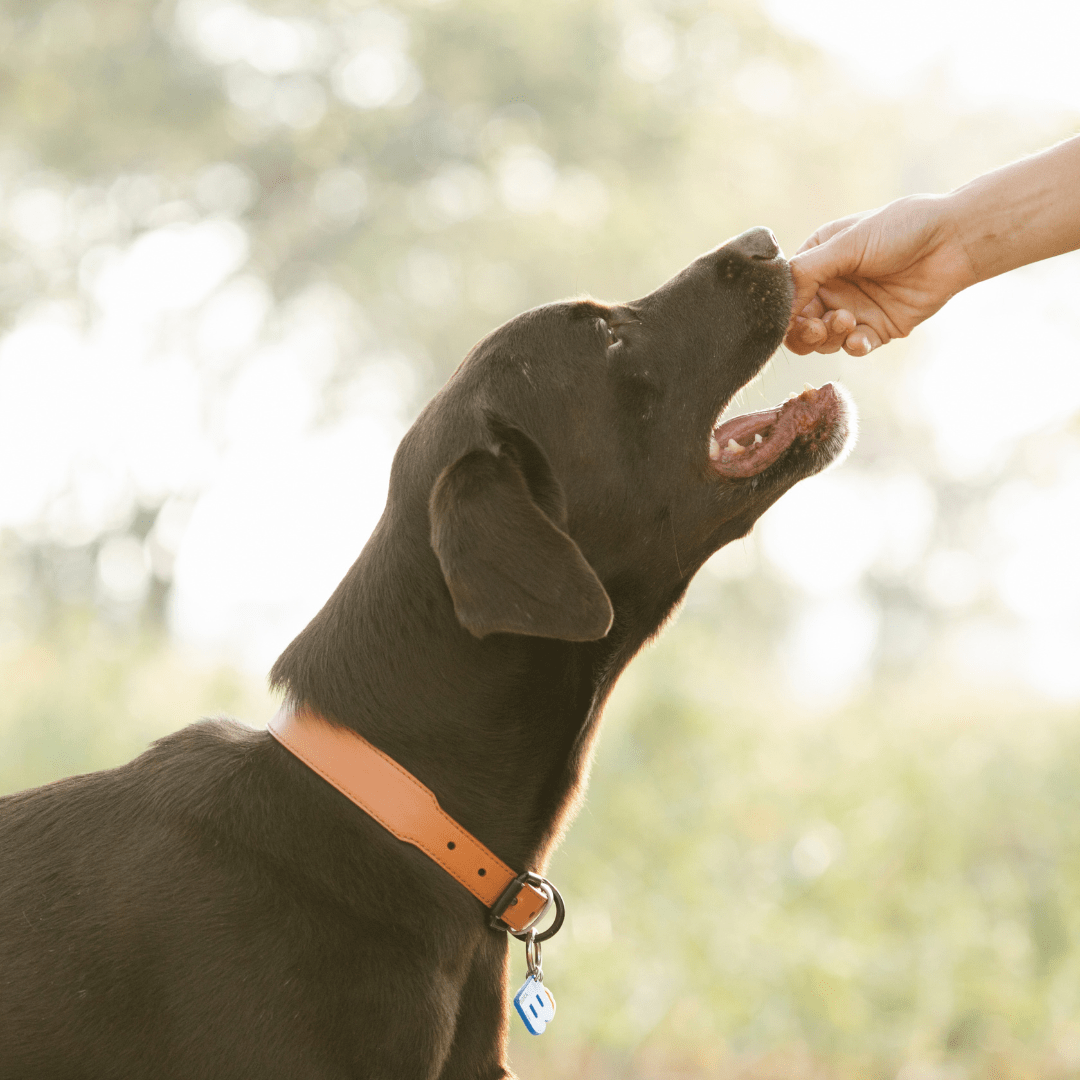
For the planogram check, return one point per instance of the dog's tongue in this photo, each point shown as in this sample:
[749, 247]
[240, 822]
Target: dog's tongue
[749, 444]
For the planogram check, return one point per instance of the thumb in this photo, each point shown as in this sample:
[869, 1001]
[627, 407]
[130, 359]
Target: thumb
[838, 256]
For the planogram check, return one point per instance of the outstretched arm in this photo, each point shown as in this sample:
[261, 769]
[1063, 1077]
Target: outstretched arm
[864, 280]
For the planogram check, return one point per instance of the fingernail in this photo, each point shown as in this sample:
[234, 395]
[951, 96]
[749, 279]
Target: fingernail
[865, 346]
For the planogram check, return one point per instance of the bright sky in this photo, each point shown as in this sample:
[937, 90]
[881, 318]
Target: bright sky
[282, 502]
[994, 52]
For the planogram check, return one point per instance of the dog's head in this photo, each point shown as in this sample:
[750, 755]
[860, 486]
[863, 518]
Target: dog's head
[574, 461]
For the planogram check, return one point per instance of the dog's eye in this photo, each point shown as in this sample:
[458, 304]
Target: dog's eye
[609, 335]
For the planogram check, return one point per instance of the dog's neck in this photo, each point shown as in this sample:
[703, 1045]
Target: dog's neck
[500, 728]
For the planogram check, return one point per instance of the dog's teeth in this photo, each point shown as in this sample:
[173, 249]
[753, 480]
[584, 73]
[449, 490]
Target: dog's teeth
[734, 448]
[758, 440]
[807, 386]
[793, 395]
[714, 448]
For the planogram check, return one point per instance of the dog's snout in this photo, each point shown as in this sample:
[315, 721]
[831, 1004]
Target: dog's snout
[757, 243]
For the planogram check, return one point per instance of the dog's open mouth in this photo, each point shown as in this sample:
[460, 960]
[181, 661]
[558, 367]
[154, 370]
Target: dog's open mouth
[816, 420]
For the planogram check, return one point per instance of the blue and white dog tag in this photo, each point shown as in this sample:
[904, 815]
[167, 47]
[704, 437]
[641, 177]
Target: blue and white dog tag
[535, 1004]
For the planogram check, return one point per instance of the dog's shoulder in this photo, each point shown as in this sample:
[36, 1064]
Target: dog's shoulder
[185, 770]
[217, 743]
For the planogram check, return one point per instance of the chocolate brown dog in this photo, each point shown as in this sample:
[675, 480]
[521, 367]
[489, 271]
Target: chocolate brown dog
[215, 909]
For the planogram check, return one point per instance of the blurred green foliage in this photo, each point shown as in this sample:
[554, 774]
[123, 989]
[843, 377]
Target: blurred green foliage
[888, 889]
[88, 697]
[896, 883]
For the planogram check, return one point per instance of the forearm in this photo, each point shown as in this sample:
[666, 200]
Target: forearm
[1021, 213]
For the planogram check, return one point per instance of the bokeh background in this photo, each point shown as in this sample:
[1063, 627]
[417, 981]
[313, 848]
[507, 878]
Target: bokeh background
[834, 823]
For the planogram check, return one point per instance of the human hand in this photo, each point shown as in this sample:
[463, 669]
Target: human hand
[866, 279]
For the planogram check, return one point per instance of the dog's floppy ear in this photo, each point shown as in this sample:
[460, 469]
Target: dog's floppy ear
[509, 567]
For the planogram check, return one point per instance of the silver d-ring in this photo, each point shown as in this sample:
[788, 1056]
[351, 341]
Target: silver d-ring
[532, 956]
[560, 914]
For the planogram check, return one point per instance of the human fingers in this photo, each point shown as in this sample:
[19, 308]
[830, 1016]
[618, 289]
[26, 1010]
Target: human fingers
[862, 340]
[824, 335]
[834, 257]
[838, 325]
[877, 318]
[805, 335]
[838, 257]
[806, 287]
[814, 310]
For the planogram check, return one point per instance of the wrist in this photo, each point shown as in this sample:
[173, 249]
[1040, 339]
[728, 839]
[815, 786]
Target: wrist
[989, 228]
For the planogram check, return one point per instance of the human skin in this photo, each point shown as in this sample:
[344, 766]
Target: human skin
[863, 280]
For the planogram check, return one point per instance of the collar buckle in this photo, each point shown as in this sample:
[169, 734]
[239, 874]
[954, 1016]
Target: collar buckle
[509, 897]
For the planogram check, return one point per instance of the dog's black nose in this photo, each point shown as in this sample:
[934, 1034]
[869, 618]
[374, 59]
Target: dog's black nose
[756, 243]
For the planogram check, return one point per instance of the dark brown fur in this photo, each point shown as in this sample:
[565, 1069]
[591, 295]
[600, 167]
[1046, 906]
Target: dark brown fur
[214, 909]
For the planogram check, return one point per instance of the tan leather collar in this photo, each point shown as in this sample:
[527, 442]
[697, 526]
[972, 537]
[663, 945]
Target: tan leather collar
[409, 810]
